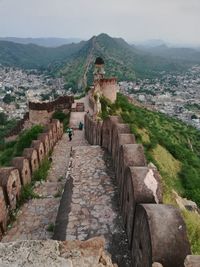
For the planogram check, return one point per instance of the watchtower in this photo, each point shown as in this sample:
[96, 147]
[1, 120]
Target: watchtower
[99, 71]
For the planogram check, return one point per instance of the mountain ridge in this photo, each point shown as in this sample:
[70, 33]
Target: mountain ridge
[75, 61]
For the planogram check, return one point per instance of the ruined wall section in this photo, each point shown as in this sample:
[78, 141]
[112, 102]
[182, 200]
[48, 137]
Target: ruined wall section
[156, 232]
[41, 113]
[13, 178]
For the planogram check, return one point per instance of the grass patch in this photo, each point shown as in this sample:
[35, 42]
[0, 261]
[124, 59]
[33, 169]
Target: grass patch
[50, 227]
[27, 193]
[15, 149]
[62, 117]
[42, 172]
[192, 221]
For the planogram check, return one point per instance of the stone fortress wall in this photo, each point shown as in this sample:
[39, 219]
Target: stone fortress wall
[41, 113]
[19, 174]
[156, 232]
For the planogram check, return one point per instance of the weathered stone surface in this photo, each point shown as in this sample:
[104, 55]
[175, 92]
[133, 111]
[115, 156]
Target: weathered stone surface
[11, 184]
[192, 261]
[48, 129]
[107, 128]
[3, 213]
[22, 164]
[159, 236]
[117, 129]
[32, 155]
[184, 203]
[56, 254]
[156, 264]
[44, 137]
[141, 185]
[129, 155]
[39, 147]
[122, 140]
[35, 216]
[94, 208]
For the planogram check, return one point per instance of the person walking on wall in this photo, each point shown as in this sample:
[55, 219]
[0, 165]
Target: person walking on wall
[70, 132]
[80, 126]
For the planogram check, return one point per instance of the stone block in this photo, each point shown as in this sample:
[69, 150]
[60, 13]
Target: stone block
[107, 129]
[57, 123]
[118, 128]
[192, 261]
[32, 155]
[129, 155]
[159, 236]
[22, 164]
[122, 140]
[11, 184]
[39, 147]
[141, 185]
[44, 138]
[3, 213]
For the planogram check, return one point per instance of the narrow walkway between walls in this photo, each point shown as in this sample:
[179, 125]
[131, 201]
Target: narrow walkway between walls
[93, 208]
[36, 218]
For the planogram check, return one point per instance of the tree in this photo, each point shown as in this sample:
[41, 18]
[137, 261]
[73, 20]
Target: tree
[3, 118]
[8, 99]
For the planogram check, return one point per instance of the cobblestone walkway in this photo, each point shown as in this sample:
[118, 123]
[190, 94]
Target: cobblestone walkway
[94, 204]
[37, 216]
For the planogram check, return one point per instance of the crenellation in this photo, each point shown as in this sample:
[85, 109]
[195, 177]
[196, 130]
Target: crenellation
[156, 233]
[11, 184]
[22, 164]
[39, 147]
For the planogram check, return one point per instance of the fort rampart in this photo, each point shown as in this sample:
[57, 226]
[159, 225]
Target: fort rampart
[13, 178]
[156, 232]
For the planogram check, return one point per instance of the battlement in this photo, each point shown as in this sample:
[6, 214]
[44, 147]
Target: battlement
[62, 102]
[156, 232]
[20, 173]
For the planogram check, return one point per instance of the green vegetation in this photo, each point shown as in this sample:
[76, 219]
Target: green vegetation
[50, 227]
[173, 147]
[193, 107]
[5, 127]
[192, 221]
[15, 148]
[167, 136]
[27, 193]
[73, 61]
[62, 117]
[42, 172]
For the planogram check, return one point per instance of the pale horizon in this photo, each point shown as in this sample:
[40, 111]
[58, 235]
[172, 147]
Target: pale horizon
[172, 21]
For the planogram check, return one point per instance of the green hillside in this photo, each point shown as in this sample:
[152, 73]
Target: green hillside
[76, 61]
[173, 147]
[121, 60]
[32, 56]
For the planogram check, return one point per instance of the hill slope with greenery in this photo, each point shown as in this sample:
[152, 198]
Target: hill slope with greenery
[173, 147]
[76, 61]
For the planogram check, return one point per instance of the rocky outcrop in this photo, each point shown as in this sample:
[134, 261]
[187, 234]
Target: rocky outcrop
[88, 253]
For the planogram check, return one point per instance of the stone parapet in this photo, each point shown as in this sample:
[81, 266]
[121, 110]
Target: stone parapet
[20, 173]
[156, 233]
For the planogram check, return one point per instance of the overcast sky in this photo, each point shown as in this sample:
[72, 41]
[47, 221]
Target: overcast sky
[171, 20]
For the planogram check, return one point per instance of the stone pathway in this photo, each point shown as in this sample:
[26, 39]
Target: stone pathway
[94, 203]
[37, 216]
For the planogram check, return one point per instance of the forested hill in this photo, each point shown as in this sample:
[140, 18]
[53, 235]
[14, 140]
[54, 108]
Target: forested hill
[75, 61]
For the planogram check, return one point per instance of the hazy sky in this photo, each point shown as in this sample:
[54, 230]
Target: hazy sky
[172, 20]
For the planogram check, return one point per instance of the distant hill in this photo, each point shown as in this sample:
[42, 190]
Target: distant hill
[33, 56]
[47, 42]
[177, 53]
[75, 61]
